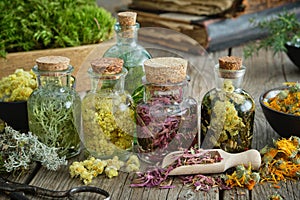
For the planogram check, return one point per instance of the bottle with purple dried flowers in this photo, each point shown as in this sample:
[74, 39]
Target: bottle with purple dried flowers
[227, 111]
[166, 119]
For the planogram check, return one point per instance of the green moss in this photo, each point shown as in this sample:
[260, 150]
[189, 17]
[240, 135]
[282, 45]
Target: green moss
[43, 24]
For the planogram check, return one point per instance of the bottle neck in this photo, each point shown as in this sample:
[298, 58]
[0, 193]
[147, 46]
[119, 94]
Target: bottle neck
[61, 78]
[229, 80]
[166, 93]
[127, 35]
[108, 83]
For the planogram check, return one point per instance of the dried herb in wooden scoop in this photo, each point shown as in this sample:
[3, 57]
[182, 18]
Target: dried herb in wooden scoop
[208, 161]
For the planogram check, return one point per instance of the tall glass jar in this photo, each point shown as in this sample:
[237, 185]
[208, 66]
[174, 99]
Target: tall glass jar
[107, 117]
[166, 119]
[128, 49]
[54, 107]
[227, 111]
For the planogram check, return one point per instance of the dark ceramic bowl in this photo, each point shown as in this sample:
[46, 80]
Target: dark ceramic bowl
[293, 53]
[15, 115]
[284, 124]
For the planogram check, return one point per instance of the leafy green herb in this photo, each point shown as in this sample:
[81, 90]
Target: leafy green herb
[42, 24]
[51, 111]
[283, 28]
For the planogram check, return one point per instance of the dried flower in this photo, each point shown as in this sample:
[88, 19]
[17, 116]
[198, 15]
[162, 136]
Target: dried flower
[92, 167]
[242, 177]
[282, 161]
[204, 183]
[158, 177]
[287, 101]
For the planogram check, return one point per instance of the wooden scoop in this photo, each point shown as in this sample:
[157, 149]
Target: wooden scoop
[229, 160]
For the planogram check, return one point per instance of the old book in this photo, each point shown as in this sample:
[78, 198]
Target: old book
[213, 33]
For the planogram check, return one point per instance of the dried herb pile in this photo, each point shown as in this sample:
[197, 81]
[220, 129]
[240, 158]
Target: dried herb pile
[158, 177]
[43, 24]
[287, 101]
[19, 150]
[17, 86]
[282, 161]
[279, 163]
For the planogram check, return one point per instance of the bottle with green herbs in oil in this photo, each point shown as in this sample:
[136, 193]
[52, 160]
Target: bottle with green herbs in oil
[54, 107]
[227, 111]
[167, 119]
[107, 117]
[128, 49]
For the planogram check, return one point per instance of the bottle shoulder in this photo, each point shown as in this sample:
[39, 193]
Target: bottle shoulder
[239, 97]
[130, 54]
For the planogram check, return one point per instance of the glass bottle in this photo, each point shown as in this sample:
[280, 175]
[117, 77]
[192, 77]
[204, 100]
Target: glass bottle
[167, 120]
[107, 117]
[54, 107]
[227, 111]
[128, 49]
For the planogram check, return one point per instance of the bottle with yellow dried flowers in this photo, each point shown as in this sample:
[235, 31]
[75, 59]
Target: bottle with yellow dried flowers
[227, 111]
[107, 117]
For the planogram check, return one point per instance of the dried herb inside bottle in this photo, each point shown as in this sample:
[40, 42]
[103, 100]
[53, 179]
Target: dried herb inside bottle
[54, 108]
[166, 119]
[227, 112]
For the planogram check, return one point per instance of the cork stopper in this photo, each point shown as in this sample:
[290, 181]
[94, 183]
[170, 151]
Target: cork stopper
[127, 18]
[107, 65]
[53, 63]
[165, 70]
[230, 63]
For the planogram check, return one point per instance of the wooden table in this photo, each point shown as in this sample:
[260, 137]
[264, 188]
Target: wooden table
[264, 71]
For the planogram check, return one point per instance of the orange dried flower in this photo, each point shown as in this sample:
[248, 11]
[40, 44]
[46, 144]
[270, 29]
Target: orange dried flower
[287, 101]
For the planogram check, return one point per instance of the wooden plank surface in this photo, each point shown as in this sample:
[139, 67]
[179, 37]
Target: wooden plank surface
[264, 71]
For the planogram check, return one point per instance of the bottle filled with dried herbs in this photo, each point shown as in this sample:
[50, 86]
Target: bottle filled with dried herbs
[129, 50]
[54, 107]
[167, 118]
[107, 117]
[227, 111]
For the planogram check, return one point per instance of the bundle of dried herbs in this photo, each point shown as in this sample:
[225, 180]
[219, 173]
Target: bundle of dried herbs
[19, 150]
[43, 24]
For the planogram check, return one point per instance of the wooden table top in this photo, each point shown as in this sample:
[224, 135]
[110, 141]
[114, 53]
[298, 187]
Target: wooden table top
[264, 71]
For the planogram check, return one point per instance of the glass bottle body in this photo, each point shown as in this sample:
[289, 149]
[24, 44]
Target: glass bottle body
[133, 55]
[166, 121]
[54, 111]
[227, 114]
[107, 117]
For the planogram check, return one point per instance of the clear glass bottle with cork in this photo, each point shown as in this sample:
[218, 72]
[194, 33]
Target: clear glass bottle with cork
[107, 117]
[227, 111]
[54, 107]
[128, 49]
[167, 119]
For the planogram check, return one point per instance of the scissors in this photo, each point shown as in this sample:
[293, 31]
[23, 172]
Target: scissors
[18, 190]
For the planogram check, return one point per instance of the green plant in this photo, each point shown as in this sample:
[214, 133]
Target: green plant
[281, 29]
[43, 24]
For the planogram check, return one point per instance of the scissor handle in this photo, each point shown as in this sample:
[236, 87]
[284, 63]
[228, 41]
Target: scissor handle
[81, 189]
[9, 186]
